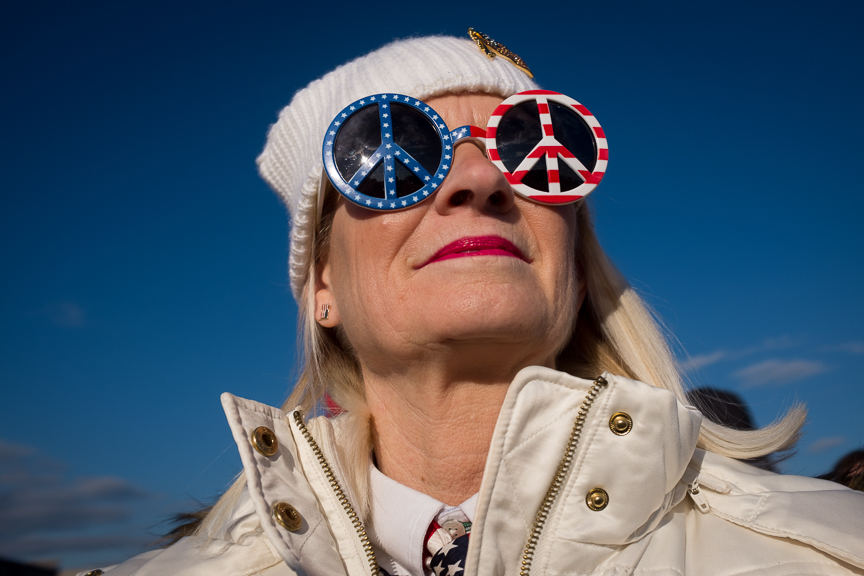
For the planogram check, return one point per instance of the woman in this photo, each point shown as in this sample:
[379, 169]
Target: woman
[507, 403]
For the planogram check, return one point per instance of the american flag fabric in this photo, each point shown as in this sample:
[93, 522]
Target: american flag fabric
[449, 560]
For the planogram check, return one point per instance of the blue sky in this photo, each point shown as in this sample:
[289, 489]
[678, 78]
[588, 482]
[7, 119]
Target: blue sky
[144, 261]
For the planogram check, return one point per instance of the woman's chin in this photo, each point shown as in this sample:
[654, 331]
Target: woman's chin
[506, 314]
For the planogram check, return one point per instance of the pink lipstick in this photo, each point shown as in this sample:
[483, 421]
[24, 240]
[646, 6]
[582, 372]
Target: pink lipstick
[476, 246]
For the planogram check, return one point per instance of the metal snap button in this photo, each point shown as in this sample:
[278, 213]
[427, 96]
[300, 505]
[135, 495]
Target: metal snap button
[287, 516]
[597, 499]
[621, 423]
[264, 441]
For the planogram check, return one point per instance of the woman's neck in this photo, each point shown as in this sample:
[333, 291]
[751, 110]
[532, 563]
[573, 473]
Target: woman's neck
[432, 432]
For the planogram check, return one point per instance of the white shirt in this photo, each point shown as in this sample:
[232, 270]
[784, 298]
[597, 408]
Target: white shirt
[399, 520]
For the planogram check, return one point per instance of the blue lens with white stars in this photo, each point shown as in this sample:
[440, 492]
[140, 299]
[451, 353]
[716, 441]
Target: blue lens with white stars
[387, 151]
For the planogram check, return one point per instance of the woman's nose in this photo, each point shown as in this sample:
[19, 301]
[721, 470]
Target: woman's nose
[474, 182]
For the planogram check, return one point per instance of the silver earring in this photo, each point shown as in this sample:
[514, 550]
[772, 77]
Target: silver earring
[325, 311]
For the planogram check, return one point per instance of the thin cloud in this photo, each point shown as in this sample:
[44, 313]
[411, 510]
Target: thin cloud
[35, 545]
[64, 314]
[856, 348]
[11, 452]
[782, 342]
[55, 504]
[39, 502]
[825, 444]
[779, 372]
[702, 360]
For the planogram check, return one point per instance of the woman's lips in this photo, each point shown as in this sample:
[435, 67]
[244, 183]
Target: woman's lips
[476, 246]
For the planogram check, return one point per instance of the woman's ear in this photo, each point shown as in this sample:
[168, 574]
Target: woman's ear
[326, 310]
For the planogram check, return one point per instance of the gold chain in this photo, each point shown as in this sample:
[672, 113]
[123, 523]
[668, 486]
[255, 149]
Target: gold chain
[340, 494]
[560, 475]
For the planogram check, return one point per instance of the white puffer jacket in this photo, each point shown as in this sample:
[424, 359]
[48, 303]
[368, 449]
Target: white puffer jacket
[668, 509]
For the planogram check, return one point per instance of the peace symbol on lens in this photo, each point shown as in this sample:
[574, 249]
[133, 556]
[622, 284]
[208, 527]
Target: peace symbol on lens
[388, 153]
[550, 149]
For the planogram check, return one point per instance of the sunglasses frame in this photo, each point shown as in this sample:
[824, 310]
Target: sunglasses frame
[389, 152]
[551, 149]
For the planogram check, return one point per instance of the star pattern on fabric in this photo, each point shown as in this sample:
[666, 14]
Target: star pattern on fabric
[447, 548]
[450, 559]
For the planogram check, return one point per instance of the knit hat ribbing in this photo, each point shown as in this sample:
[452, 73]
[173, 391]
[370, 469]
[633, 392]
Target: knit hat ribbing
[418, 67]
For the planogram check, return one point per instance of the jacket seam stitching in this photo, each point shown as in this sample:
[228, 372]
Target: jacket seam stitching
[757, 569]
[516, 500]
[549, 424]
[779, 533]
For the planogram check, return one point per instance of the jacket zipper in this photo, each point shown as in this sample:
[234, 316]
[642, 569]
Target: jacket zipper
[340, 494]
[560, 475]
[698, 497]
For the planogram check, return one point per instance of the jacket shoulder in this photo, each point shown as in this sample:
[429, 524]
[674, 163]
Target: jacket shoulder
[241, 549]
[195, 556]
[822, 514]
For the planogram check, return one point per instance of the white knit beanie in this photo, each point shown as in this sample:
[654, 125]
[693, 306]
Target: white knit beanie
[418, 67]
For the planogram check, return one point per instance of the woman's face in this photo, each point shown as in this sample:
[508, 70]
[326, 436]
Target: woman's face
[475, 268]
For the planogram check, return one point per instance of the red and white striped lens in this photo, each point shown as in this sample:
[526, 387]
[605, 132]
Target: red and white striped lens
[550, 148]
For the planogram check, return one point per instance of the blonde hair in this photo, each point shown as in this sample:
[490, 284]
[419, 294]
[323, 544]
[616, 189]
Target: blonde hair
[615, 331]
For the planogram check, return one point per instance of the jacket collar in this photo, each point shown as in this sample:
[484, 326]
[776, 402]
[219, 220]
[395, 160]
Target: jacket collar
[640, 471]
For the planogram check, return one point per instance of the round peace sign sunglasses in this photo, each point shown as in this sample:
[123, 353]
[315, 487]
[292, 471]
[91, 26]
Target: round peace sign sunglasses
[391, 151]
